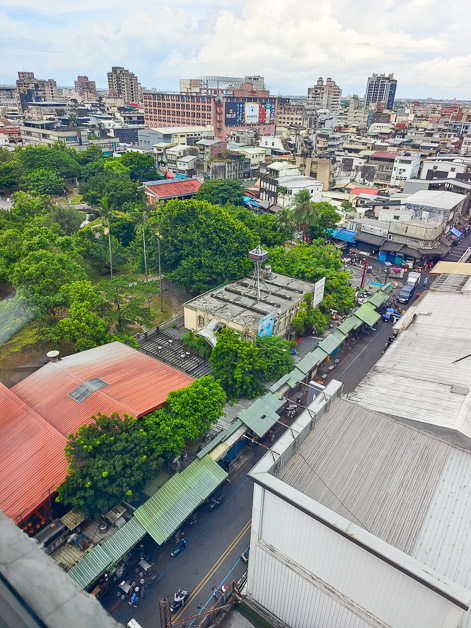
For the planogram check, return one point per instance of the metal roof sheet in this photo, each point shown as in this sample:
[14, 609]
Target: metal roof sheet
[73, 519]
[296, 376]
[278, 384]
[261, 415]
[312, 359]
[220, 438]
[339, 334]
[379, 298]
[368, 314]
[165, 511]
[90, 567]
[370, 238]
[173, 189]
[330, 343]
[390, 246]
[348, 324]
[452, 268]
[123, 540]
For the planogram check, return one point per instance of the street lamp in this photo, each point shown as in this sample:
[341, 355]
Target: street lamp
[159, 237]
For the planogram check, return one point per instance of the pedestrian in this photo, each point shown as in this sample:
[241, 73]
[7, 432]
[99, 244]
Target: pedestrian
[133, 600]
[227, 464]
[270, 435]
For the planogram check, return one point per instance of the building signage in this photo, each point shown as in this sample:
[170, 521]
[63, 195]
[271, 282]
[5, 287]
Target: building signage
[231, 113]
[319, 288]
[265, 326]
[252, 110]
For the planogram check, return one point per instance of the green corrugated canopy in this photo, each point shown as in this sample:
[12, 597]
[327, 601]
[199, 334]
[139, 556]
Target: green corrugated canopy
[90, 567]
[311, 360]
[338, 333]
[347, 325]
[278, 384]
[165, 511]
[262, 414]
[220, 438]
[378, 298]
[124, 540]
[368, 314]
[329, 344]
[296, 376]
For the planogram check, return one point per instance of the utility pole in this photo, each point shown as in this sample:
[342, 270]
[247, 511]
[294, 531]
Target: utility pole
[157, 233]
[164, 606]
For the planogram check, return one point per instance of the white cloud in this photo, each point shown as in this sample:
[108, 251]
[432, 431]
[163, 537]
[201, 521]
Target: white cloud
[424, 42]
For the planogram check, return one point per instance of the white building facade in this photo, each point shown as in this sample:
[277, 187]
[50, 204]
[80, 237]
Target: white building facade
[405, 167]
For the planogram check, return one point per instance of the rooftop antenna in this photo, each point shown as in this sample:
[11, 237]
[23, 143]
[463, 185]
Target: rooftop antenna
[258, 256]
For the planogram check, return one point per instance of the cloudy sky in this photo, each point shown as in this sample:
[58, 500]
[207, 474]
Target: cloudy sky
[424, 42]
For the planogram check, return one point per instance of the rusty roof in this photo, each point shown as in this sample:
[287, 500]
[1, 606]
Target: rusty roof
[174, 188]
[38, 414]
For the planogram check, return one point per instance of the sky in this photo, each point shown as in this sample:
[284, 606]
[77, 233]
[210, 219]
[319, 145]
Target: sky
[425, 43]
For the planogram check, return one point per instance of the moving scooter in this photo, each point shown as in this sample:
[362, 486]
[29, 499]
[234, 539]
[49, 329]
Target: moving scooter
[215, 502]
[179, 600]
[179, 548]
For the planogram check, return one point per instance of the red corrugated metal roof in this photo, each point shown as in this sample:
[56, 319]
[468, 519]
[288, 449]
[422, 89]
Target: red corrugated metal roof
[137, 384]
[364, 191]
[172, 189]
[32, 463]
[382, 154]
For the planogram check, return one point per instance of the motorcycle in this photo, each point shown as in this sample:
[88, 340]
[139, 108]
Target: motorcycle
[179, 548]
[215, 502]
[179, 600]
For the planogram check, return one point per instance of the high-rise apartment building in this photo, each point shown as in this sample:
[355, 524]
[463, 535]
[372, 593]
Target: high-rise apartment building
[324, 95]
[85, 89]
[123, 83]
[227, 109]
[32, 89]
[381, 88]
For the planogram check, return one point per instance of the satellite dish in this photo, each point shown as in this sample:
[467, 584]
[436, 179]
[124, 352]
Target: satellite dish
[52, 354]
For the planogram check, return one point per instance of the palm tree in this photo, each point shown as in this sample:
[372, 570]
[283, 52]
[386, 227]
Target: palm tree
[304, 211]
[106, 217]
[284, 222]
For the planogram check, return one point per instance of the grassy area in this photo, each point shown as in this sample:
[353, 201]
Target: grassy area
[75, 198]
[13, 350]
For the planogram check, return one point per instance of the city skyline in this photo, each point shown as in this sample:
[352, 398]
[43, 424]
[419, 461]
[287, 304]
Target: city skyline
[420, 41]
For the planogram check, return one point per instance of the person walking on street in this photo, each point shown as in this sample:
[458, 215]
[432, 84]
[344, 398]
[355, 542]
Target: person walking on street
[133, 600]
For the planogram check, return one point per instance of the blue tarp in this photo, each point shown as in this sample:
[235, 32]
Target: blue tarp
[345, 235]
[456, 233]
[251, 202]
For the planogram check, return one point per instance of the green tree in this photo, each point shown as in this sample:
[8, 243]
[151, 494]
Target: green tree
[106, 214]
[61, 160]
[222, 191]
[187, 414]
[326, 218]
[275, 357]
[67, 217]
[43, 181]
[10, 174]
[109, 460]
[309, 318]
[27, 207]
[236, 365]
[92, 154]
[268, 229]
[141, 166]
[83, 327]
[304, 212]
[125, 301]
[94, 248]
[202, 245]
[197, 343]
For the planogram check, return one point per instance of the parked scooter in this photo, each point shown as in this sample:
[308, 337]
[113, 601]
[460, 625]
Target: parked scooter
[215, 502]
[179, 600]
[179, 548]
[245, 555]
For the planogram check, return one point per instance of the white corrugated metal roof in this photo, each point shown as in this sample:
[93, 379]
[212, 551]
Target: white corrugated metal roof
[417, 379]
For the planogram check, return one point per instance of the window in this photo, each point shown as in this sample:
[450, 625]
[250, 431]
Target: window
[200, 321]
[396, 217]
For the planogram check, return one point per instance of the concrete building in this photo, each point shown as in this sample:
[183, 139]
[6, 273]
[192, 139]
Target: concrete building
[406, 166]
[46, 133]
[237, 306]
[290, 114]
[356, 116]
[442, 169]
[436, 206]
[237, 166]
[282, 190]
[85, 89]
[381, 88]
[466, 146]
[243, 106]
[167, 190]
[31, 89]
[383, 161]
[175, 135]
[124, 84]
[273, 145]
[324, 95]
[339, 536]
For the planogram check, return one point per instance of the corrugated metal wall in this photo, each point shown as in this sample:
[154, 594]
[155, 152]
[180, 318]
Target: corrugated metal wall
[298, 563]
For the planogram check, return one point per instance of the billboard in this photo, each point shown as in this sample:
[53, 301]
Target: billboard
[230, 113]
[319, 287]
[265, 325]
[252, 110]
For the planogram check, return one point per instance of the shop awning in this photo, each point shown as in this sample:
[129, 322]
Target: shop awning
[311, 360]
[410, 252]
[90, 567]
[370, 238]
[329, 344]
[165, 511]
[391, 247]
[296, 376]
[456, 233]
[220, 438]
[262, 414]
[368, 314]
[378, 298]
[349, 323]
[344, 235]
[124, 540]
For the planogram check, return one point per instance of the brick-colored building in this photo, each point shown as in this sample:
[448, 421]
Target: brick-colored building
[242, 106]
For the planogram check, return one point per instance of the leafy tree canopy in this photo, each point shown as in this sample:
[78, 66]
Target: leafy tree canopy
[275, 357]
[67, 217]
[222, 191]
[61, 160]
[141, 167]
[187, 413]
[197, 343]
[10, 174]
[109, 460]
[202, 245]
[125, 301]
[44, 181]
[270, 230]
[236, 365]
[92, 244]
[326, 218]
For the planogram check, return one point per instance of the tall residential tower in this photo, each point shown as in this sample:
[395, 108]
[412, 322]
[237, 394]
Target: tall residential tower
[381, 88]
[123, 83]
[324, 95]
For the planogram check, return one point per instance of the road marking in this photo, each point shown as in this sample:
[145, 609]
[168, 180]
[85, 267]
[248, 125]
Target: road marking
[216, 565]
[365, 347]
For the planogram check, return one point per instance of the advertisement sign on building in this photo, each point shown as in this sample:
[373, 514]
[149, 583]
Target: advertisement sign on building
[265, 325]
[252, 110]
[319, 288]
[231, 113]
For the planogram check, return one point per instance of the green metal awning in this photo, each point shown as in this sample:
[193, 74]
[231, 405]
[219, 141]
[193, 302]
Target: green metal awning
[311, 360]
[347, 325]
[165, 511]
[295, 377]
[220, 438]
[329, 344]
[90, 567]
[356, 321]
[378, 298]
[278, 384]
[124, 540]
[338, 333]
[262, 414]
[368, 314]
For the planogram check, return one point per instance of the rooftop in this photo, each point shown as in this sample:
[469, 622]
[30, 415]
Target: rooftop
[440, 199]
[173, 189]
[238, 302]
[384, 155]
[168, 130]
